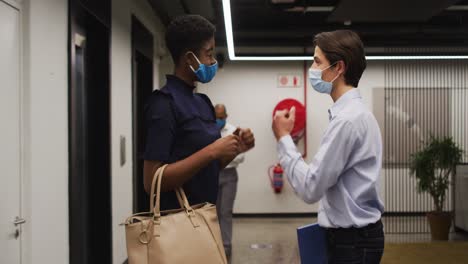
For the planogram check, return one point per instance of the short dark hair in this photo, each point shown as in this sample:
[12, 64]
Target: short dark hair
[223, 106]
[188, 33]
[344, 45]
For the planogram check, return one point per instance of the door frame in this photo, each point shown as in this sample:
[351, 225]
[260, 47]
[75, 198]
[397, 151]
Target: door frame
[76, 38]
[80, 38]
[23, 181]
[139, 31]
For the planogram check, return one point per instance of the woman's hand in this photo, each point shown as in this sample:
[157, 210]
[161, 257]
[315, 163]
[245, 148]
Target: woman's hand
[247, 139]
[225, 147]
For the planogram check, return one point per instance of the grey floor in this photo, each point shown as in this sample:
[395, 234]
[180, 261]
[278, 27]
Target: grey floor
[274, 241]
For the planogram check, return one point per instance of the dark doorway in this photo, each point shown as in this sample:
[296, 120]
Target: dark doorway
[89, 133]
[142, 66]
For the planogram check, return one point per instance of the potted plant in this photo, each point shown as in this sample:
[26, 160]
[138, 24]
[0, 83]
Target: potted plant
[434, 167]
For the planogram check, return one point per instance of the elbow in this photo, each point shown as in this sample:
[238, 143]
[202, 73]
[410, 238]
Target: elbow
[306, 195]
[310, 200]
[311, 197]
[306, 190]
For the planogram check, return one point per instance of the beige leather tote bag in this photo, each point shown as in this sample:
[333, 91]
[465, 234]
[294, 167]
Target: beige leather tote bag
[190, 234]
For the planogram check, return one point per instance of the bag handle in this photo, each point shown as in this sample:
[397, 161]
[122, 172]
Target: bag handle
[179, 198]
[184, 199]
[155, 207]
[156, 184]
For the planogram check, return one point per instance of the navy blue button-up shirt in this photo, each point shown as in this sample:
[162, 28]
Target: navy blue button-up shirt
[179, 123]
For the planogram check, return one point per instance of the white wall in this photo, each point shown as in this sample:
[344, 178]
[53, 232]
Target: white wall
[46, 123]
[45, 85]
[250, 92]
[45, 25]
[121, 108]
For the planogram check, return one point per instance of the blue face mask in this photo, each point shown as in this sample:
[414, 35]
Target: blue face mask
[204, 73]
[221, 123]
[319, 85]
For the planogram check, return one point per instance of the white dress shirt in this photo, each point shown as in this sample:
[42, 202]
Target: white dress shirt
[344, 173]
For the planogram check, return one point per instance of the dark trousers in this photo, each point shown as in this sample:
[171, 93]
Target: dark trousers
[356, 245]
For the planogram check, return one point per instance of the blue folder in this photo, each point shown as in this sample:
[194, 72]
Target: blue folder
[312, 244]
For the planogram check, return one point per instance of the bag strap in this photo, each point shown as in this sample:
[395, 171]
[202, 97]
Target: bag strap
[156, 184]
[155, 207]
[219, 243]
[188, 209]
[184, 199]
[179, 198]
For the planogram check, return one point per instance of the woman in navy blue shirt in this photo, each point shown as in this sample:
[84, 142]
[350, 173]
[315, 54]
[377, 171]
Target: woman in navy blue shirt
[181, 124]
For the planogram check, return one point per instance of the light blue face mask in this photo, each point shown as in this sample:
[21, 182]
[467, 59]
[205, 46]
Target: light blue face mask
[221, 123]
[319, 85]
[204, 73]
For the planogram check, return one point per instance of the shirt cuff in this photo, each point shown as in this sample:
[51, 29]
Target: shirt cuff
[286, 148]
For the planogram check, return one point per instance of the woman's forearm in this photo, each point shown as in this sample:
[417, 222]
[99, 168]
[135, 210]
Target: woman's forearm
[177, 173]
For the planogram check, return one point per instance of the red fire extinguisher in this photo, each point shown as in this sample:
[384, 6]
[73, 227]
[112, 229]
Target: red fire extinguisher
[276, 177]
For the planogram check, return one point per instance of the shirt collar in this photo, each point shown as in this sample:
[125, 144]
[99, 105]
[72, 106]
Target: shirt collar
[225, 128]
[342, 101]
[179, 84]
